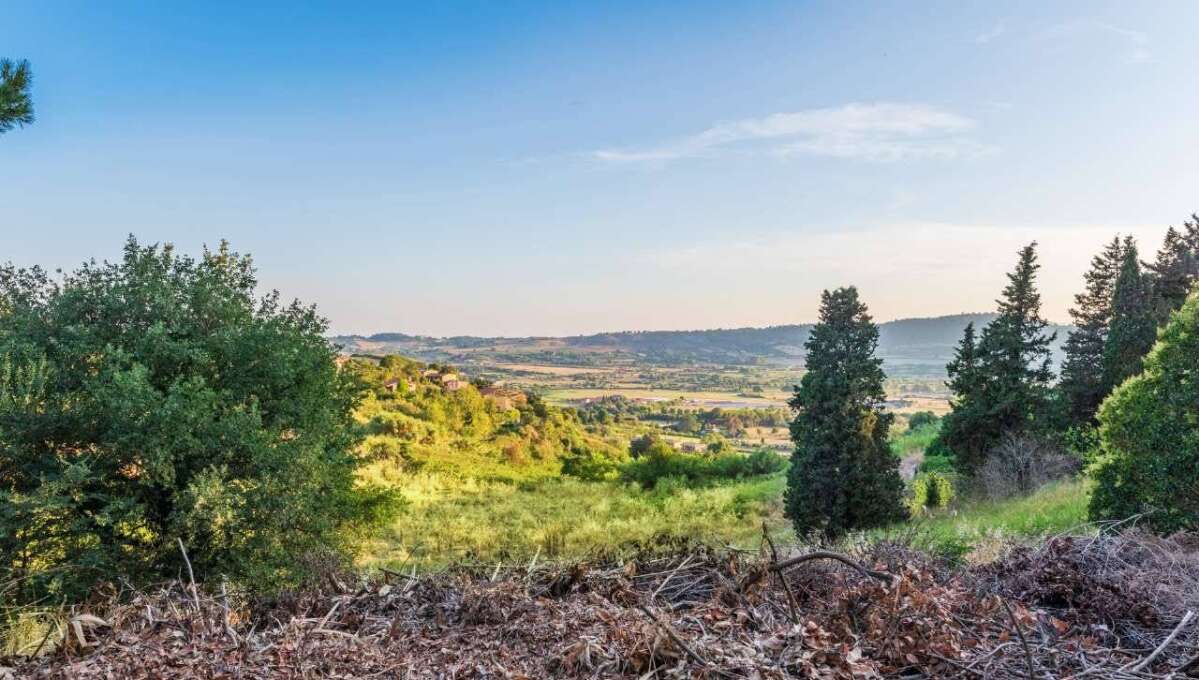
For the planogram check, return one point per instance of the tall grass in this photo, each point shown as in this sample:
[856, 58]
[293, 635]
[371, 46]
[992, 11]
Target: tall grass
[969, 531]
[452, 520]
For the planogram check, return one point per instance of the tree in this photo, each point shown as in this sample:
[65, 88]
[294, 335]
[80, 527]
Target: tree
[155, 399]
[1133, 326]
[16, 108]
[1082, 384]
[1001, 383]
[843, 475]
[1176, 269]
[1149, 429]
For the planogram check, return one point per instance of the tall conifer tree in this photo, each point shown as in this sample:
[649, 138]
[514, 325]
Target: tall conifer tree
[1082, 386]
[1133, 325]
[1007, 386]
[1176, 269]
[843, 475]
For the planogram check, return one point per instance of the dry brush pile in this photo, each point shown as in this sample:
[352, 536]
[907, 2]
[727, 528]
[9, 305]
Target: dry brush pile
[1115, 605]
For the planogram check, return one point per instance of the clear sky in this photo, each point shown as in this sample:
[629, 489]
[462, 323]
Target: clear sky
[551, 168]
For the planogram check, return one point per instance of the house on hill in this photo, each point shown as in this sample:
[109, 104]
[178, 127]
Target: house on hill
[393, 385]
[451, 382]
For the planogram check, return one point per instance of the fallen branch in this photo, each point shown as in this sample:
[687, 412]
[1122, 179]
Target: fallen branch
[838, 557]
[792, 606]
[1165, 643]
[191, 576]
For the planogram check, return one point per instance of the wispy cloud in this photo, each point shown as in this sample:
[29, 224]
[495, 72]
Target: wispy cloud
[986, 37]
[875, 132]
[1134, 45]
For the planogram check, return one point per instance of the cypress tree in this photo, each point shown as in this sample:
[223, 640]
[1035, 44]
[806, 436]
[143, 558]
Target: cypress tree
[843, 475]
[1133, 325]
[1082, 385]
[1007, 385]
[16, 108]
[1176, 269]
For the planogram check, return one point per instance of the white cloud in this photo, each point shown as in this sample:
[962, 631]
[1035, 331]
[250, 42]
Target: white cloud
[876, 132]
[986, 37]
[1134, 45]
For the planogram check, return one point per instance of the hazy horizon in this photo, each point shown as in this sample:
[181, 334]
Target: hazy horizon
[533, 168]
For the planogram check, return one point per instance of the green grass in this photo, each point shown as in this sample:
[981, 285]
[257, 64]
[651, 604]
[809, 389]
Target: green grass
[452, 520]
[973, 528]
[911, 441]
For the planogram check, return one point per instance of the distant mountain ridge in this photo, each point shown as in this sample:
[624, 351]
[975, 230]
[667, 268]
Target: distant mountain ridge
[921, 345]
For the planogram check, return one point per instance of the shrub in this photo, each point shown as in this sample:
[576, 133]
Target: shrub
[1022, 463]
[943, 464]
[920, 419]
[662, 461]
[156, 399]
[931, 490]
[1149, 429]
[940, 490]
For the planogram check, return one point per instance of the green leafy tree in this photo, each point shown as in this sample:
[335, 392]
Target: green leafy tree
[1001, 383]
[1176, 269]
[1133, 326]
[155, 399]
[1149, 429]
[843, 475]
[16, 107]
[1082, 385]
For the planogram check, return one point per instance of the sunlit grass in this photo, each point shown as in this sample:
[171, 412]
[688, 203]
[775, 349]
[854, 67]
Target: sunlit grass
[448, 520]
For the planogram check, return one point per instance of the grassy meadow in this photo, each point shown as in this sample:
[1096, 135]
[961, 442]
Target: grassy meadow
[454, 520]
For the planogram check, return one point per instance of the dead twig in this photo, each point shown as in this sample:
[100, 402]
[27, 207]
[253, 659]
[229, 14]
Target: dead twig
[792, 606]
[191, 575]
[1032, 673]
[1165, 643]
[673, 635]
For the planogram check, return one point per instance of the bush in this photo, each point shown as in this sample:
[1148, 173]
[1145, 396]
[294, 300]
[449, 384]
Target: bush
[156, 399]
[920, 419]
[1021, 464]
[933, 491]
[1149, 429]
[662, 461]
[944, 464]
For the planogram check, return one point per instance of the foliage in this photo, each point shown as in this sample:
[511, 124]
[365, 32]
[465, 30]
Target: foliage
[843, 475]
[944, 464]
[1149, 428]
[1082, 385]
[1001, 383]
[154, 399]
[434, 421]
[1133, 327]
[915, 440]
[921, 419]
[931, 490]
[16, 107]
[662, 461]
[1176, 269]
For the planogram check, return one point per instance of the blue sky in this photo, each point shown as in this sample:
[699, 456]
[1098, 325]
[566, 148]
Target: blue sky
[552, 168]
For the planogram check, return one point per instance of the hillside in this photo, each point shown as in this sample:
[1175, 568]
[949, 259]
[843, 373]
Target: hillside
[908, 346]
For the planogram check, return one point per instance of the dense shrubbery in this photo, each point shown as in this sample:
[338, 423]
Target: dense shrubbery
[156, 399]
[931, 490]
[661, 461]
[422, 423]
[1149, 429]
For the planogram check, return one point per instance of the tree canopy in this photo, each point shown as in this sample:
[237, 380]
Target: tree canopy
[16, 106]
[155, 399]
[843, 475]
[1001, 382]
[1149, 429]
